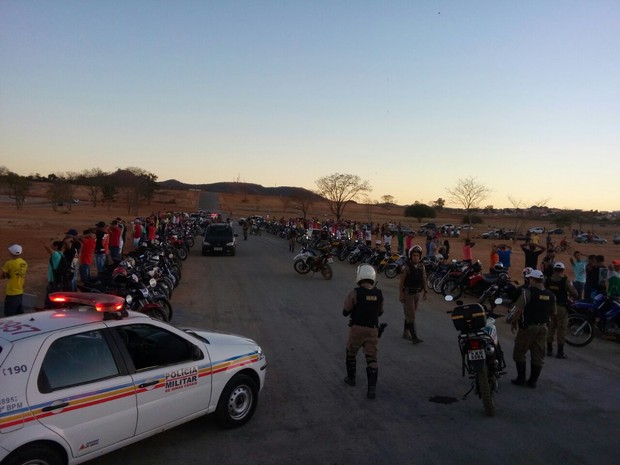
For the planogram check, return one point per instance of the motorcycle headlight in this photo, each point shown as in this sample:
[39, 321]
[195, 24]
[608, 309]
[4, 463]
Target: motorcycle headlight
[152, 282]
[128, 299]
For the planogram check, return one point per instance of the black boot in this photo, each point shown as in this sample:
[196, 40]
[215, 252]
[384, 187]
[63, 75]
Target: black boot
[520, 380]
[549, 348]
[414, 336]
[406, 331]
[534, 374]
[351, 369]
[560, 353]
[372, 374]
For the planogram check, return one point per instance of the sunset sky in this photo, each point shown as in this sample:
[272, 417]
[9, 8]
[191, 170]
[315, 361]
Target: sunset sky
[410, 95]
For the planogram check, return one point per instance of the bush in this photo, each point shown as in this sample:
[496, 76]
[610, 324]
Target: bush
[473, 218]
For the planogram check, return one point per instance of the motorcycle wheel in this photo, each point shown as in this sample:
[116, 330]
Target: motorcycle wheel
[430, 279]
[182, 252]
[437, 283]
[342, 256]
[190, 241]
[579, 332]
[484, 389]
[166, 307]
[353, 259]
[156, 313]
[301, 267]
[451, 287]
[391, 271]
[327, 272]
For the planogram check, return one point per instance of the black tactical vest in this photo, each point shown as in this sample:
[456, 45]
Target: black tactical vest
[559, 289]
[368, 307]
[538, 308]
[413, 280]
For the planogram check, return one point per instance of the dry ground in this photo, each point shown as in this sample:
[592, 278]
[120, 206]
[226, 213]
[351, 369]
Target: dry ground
[37, 225]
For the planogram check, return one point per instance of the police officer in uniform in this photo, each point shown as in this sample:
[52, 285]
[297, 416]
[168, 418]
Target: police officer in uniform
[364, 305]
[412, 283]
[562, 288]
[535, 308]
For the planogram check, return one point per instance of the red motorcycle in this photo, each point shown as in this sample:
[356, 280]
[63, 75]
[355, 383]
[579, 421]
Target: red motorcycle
[470, 280]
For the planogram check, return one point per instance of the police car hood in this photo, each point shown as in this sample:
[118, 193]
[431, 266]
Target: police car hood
[218, 338]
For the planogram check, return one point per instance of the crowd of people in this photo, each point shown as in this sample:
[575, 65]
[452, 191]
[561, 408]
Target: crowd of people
[79, 257]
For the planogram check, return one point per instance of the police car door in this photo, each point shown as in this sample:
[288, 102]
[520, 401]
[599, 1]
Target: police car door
[171, 376]
[81, 390]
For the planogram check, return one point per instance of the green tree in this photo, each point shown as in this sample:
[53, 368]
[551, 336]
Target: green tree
[340, 189]
[420, 211]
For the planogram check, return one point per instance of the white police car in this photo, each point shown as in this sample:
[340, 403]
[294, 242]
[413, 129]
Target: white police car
[81, 381]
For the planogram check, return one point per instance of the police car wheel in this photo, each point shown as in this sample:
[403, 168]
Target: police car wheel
[34, 454]
[237, 402]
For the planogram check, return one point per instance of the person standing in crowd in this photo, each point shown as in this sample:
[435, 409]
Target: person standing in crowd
[589, 289]
[578, 264]
[368, 236]
[121, 224]
[151, 229]
[467, 252]
[493, 257]
[364, 306]
[102, 236]
[412, 283]
[14, 271]
[613, 280]
[87, 254]
[137, 232]
[292, 238]
[562, 289]
[535, 308]
[56, 270]
[400, 240]
[504, 253]
[532, 251]
[446, 249]
[115, 240]
[601, 288]
[548, 263]
[72, 246]
[245, 226]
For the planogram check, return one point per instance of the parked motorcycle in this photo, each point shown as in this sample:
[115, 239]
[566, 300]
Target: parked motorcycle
[469, 280]
[481, 354]
[602, 313]
[503, 289]
[315, 261]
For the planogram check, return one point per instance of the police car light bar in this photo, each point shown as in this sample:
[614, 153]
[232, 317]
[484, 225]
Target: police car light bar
[104, 303]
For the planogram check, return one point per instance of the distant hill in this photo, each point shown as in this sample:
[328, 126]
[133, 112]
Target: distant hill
[238, 188]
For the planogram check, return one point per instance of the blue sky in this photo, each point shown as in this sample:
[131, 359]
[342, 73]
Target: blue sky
[412, 96]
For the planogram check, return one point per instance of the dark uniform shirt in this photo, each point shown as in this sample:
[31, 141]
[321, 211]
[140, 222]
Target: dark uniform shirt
[539, 306]
[414, 281]
[367, 306]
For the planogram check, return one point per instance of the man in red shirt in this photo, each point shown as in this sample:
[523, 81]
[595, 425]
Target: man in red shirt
[87, 254]
[115, 240]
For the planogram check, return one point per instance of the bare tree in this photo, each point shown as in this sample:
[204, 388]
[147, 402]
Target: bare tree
[340, 189]
[60, 193]
[469, 194]
[302, 201]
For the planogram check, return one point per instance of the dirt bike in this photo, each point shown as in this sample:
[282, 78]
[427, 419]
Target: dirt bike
[315, 261]
[602, 313]
[481, 354]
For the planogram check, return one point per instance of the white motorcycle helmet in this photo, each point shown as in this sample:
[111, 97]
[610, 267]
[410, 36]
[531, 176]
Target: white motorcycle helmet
[366, 272]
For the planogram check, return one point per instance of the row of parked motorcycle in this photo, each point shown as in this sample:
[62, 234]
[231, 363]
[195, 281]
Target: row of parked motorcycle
[147, 276]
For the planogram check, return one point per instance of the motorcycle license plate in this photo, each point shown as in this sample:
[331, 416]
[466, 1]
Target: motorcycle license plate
[218, 249]
[476, 354]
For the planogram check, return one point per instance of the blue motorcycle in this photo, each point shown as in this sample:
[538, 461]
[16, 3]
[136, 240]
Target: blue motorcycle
[602, 313]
